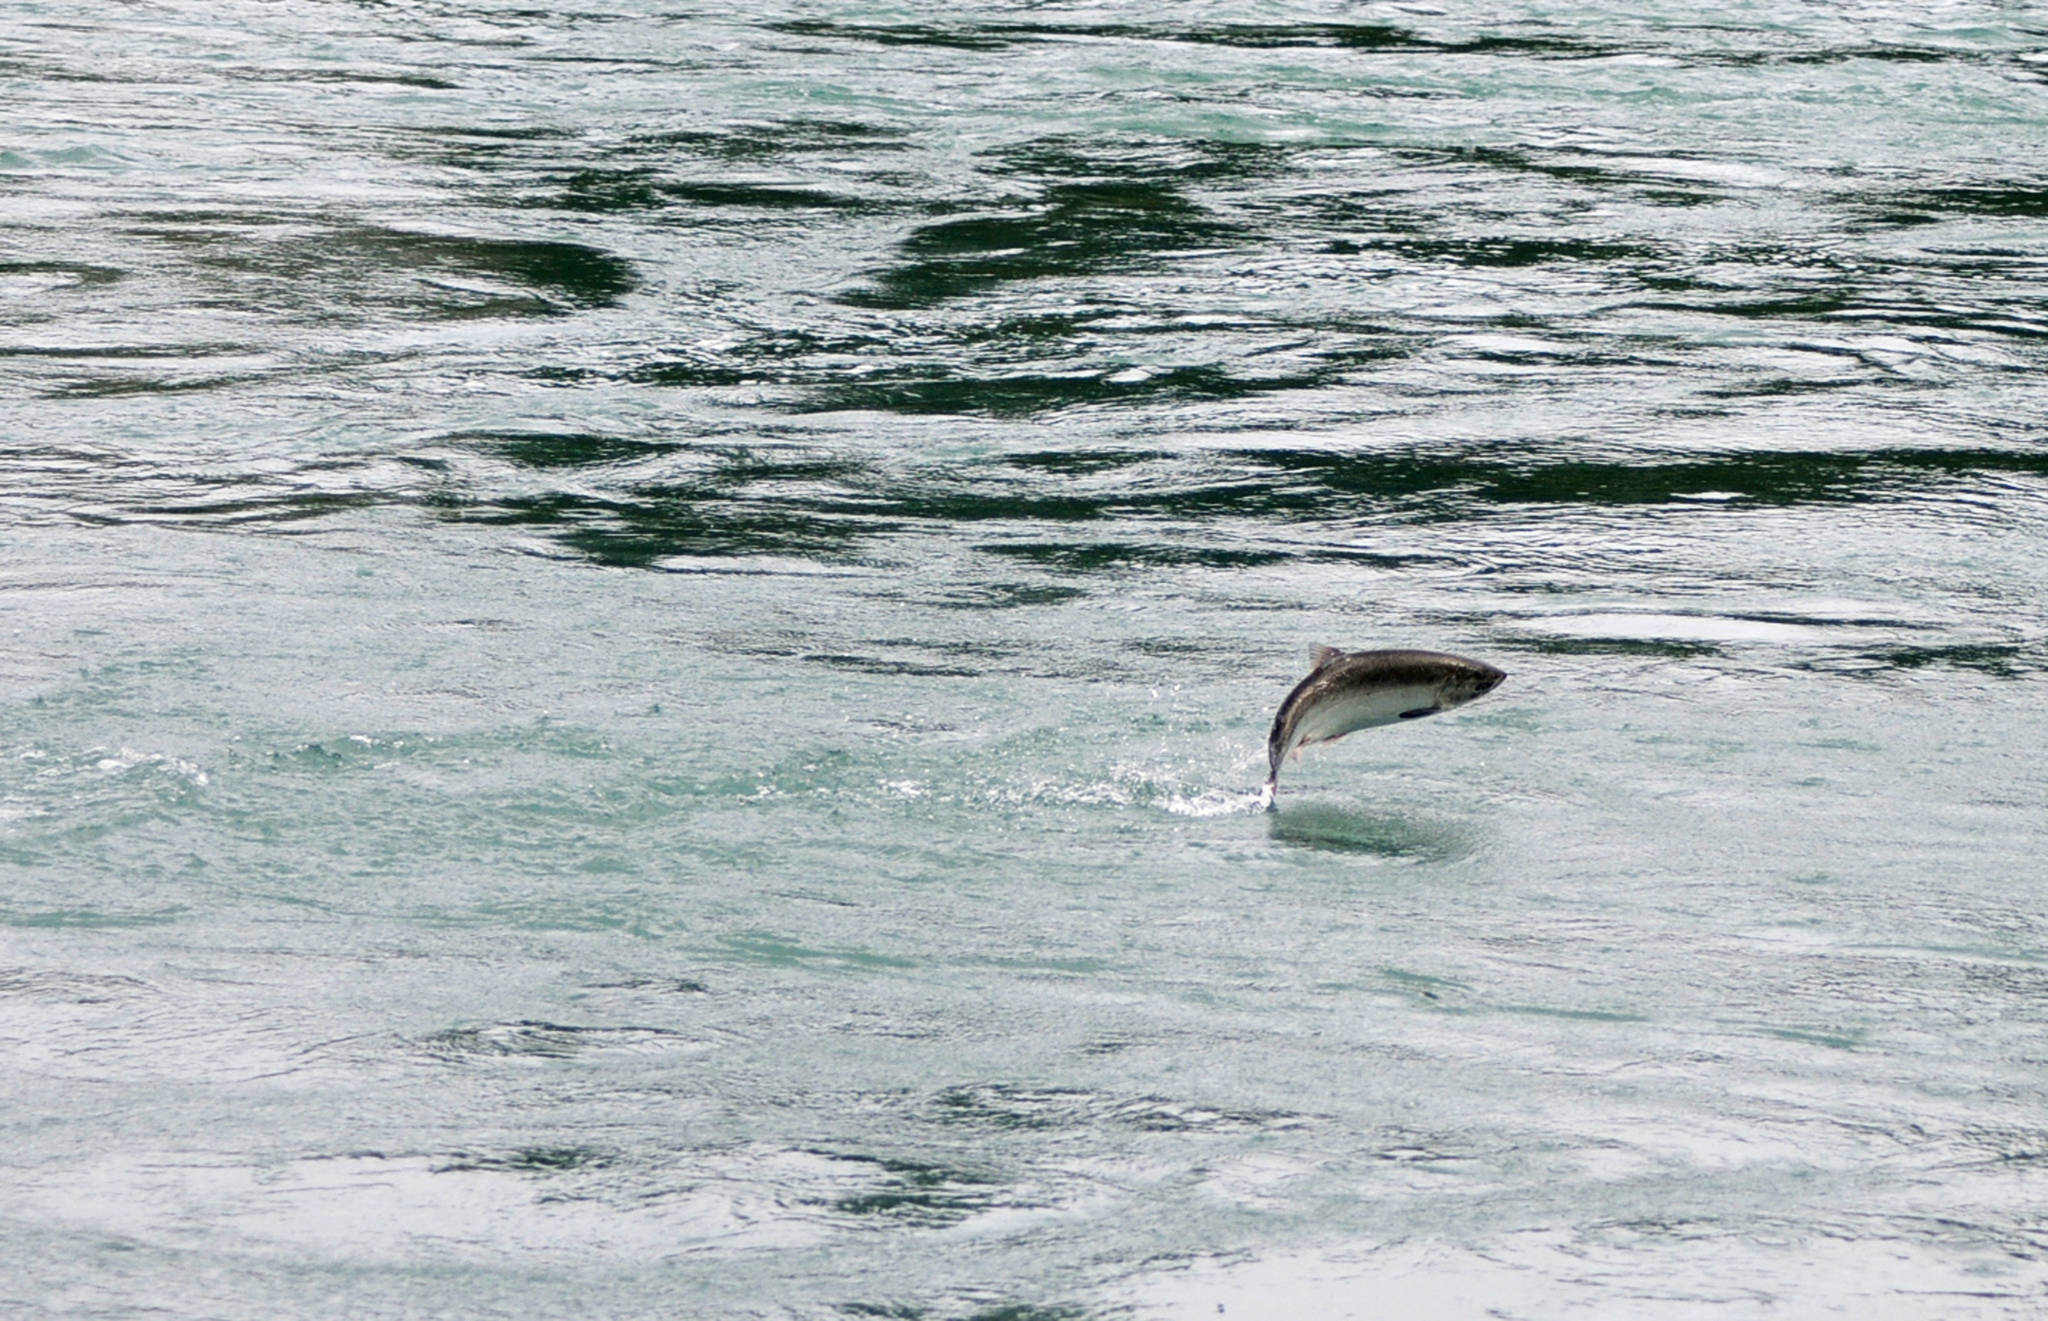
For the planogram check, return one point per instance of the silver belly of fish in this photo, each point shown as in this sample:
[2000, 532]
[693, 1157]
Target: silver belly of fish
[1335, 717]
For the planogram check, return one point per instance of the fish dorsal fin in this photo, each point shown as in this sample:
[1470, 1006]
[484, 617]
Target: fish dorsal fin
[1320, 655]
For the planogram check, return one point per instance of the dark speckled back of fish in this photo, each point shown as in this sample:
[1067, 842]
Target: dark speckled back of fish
[1353, 690]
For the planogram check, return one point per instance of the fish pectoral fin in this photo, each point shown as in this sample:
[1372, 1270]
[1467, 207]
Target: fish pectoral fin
[1420, 712]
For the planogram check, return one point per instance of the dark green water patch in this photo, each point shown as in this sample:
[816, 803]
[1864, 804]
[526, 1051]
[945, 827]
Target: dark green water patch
[1323, 483]
[766, 140]
[1014, 1107]
[603, 191]
[1008, 1106]
[465, 133]
[1605, 173]
[1042, 330]
[563, 449]
[1513, 252]
[817, 508]
[697, 374]
[989, 37]
[1007, 596]
[790, 345]
[1168, 162]
[1333, 829]
[643, 188]
[1672, 649]
[990, 502]
[921, 1206]
[1097, 556]
[1780, 386]
[285, 507]
[1812, 303]
[827, 508]
[1023, 395]
[105, 387]
[1316, 552]
[892, 666]
[2000, 659]
[1880, 54]
[1864, 306]
[653, 524]
[1666, 195]
[785, 357]
[117, 352]
[1887, 218]
[356, 266]
[917, 1192]
[1082, 461]
[1027, 1312]
[1271, 36]
[953, 37]
[482, 148]
[739, 465]
[2029, 199]
[529, 1160]
[1758, 478]
[1096, 212]
[575, 273]
[761, 196]
[298, 76]
[1001, 1312]
[1774, 479]
[1081, 230]
[1381, 211]
[80, 274]
[750, 504]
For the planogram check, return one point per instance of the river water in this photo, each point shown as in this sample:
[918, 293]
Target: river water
[634, 645]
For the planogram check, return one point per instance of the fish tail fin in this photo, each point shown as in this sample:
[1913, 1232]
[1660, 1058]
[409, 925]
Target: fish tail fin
[1267, 793]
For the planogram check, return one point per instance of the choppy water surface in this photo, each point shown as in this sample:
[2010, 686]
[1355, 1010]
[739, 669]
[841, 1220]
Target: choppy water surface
[635, 643]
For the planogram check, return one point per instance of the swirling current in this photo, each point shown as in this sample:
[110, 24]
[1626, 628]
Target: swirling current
[635, 641]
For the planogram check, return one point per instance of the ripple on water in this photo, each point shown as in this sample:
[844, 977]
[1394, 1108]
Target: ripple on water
[530, 1039]
[1390, 836]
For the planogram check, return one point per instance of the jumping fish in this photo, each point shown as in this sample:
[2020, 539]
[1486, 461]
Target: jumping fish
[1350, 690]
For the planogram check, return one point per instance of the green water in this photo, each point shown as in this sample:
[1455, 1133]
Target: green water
[635, 643]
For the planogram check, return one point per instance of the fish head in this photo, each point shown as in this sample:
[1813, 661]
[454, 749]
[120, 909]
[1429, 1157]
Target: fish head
[1466, 680]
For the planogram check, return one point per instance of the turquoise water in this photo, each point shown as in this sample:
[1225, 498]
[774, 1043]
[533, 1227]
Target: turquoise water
[634, 647]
